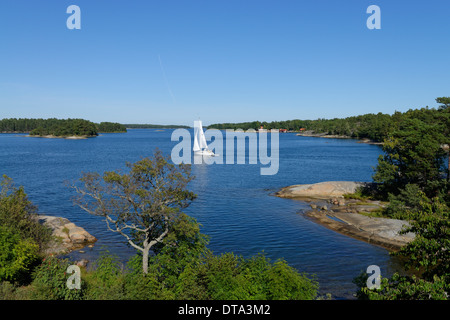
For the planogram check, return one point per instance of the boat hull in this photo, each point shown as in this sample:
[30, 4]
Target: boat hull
[205, 153]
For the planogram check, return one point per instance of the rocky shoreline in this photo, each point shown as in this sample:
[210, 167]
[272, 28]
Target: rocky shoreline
[349, 216]
[60, 137]
[310, 133]
[67, 236]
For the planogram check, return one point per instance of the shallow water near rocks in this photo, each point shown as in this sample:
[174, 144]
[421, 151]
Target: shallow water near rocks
[235, 204]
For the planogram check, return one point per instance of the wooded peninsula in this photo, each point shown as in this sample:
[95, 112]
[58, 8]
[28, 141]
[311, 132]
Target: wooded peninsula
[375, 127]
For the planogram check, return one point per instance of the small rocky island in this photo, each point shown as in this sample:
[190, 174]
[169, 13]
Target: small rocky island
[350, 217]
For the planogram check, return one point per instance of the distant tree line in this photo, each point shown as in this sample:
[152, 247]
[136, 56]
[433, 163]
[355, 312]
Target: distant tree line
[155, 126]
[375, 127]
[111, 127]
[371, 126]
[58, 127]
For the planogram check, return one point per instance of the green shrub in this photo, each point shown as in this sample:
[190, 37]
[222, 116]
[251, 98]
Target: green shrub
[221, 277]
[50, 281]
[190, 286]
[106, 281]
[285, 283]
[19, 215]
[224, 279]
[17, 256]
[231, 277]
[140, 286]
[427, 255]
[403, 288]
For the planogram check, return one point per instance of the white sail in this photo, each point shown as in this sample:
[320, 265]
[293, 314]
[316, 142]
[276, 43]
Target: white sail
[196, 146]
[199, 136]
[202, 139]
[200, 145]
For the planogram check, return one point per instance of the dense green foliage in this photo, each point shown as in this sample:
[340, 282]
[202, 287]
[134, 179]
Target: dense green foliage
[400, 287]
[19, 215]
[426, 255]
[17, 256]
[413, 155]
[21, 125]
[105, 127]
[429, 252]
[106, 281]
[231, 277]
[58, 127]
[53, 126]
[413, 175]
[209, 277]
[50, 281]
[22, 238]
[64, 128]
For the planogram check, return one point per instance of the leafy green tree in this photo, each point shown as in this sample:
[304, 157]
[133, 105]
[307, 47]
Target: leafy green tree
[406, 201]
[183, 247]
[141, 205]
[413, 155]
[444, 101]
[428, 252]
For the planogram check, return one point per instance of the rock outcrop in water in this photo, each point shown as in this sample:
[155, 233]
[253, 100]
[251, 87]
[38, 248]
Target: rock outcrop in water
[68, 236]
[321, 190]
[349, 216]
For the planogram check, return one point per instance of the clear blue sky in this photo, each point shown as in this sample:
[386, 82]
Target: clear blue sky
[221, 60]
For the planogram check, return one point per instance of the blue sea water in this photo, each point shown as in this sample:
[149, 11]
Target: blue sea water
[235, 205]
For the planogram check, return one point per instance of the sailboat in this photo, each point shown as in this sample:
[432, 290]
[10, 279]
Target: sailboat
[200, 145]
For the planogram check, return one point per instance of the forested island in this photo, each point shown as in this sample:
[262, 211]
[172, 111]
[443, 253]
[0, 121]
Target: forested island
[58, 127]
[375, 127]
